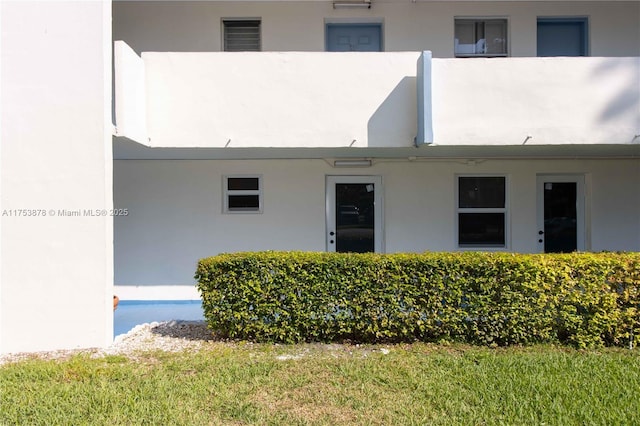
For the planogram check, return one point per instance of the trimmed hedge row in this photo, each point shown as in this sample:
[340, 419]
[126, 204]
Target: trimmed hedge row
[580, 299]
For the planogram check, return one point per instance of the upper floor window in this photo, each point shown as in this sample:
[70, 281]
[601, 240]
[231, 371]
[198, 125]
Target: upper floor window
[482, 211]
[241, 35]
[480, 37]
[242, 194]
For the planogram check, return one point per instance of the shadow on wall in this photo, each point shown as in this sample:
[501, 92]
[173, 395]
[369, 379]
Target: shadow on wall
[394, 123]
[627, 100]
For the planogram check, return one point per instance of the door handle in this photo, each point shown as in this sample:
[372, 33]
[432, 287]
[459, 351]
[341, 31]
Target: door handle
[540, 232]
[332, 233]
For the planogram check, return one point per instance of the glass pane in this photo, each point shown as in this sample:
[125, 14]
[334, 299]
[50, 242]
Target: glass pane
[244, 202]
[481, 229]
[481, 192]
[465, 37]
[560, 217]
[480, 37]
[355, 217]
[496, 36]
[243, 184]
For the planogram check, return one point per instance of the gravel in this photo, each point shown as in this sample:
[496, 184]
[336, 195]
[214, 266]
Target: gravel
[177, 336]
[168, 336]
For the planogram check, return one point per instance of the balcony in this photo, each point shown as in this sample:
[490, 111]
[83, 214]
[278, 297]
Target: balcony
[372, 100]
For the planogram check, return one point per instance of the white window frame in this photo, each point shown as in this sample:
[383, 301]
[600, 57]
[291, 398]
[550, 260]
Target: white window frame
[226, 193]
[476, 19]
[225, 21]
[504, 210]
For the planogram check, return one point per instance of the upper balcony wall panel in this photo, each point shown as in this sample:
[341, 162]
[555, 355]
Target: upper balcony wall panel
[281, 99]
[369, 100]
[552, 100]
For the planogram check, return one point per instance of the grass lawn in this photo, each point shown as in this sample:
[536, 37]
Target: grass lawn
[418, 384]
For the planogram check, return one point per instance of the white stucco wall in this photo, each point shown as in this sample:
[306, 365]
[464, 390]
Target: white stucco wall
[56, 282]
[312, 99]
[195, 26]
[281, 99]
[503, 101]
[130, 93]
[175, 210]
[305, 99]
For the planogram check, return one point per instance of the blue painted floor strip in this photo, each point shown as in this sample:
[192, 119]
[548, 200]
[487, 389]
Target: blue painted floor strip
[134, 312]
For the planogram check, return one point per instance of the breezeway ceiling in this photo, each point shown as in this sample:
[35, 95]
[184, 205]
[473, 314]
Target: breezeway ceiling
[125, 149]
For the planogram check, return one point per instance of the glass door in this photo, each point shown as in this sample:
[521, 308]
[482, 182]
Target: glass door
[354, 214]
[561, 214]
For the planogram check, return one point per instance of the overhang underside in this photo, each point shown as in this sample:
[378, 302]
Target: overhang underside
[126, 149]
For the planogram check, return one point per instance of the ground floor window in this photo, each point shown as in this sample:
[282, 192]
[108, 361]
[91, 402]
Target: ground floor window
[482, 211]
[242, 194]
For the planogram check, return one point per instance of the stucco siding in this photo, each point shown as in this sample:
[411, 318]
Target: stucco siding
[368, 99]
[57, 271]
[407, 26]
[175, 209]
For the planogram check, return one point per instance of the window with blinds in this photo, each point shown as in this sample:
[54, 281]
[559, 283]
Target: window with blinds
[242, 35]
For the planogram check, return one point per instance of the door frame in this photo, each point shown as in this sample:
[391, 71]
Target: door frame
[581, 231]
[330, 207]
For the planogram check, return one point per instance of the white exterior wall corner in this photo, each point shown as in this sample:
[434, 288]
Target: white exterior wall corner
[56, 283]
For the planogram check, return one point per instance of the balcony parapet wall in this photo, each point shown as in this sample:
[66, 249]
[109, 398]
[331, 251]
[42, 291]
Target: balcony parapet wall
[537, 101]
[369, 100]
[281, 99]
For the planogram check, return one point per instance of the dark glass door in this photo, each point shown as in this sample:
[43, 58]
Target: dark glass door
[354, 214]
[560, 231]
[355, 217]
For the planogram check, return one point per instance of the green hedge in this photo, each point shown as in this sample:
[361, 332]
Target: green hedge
[581, 299]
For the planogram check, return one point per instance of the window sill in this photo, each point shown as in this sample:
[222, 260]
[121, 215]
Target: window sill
[482, 248]
[248, 211]
[481, 55]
